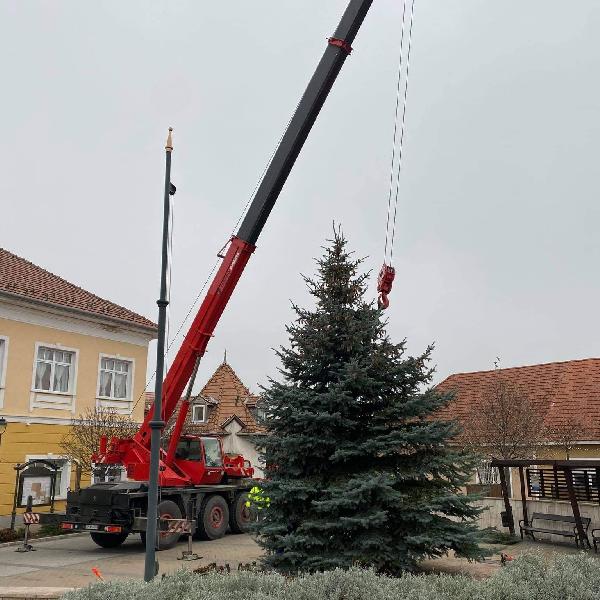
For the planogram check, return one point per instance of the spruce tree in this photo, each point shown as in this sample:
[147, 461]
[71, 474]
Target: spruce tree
[359, 470]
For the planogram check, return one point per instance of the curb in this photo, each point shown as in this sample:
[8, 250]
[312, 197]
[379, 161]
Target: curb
[41, 539]
[32, 593]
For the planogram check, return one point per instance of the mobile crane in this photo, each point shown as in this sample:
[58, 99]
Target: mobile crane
[196, 478]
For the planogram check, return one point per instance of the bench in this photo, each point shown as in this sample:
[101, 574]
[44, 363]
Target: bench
[531, 527]
[595, 538]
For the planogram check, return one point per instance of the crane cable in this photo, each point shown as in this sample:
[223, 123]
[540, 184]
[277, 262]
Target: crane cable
[386, 275]
[387, 272]
[195, 302]
[181, 326]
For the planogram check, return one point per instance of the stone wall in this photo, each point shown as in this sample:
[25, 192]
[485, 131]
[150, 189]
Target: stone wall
[494, 506]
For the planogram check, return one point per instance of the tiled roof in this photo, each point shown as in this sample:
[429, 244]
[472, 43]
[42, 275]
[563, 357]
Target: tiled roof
[30, 282]
[226, 398]
[233, 399]
[561, 392]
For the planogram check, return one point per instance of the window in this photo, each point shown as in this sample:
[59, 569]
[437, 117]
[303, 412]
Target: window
[260, 413]
[54, 370]
[189, 450]
[2, 360]
[198, 413]
[3, 357]
[108, 473]
[114, 380]
[63, 475]
[486, 474]
[212, 452]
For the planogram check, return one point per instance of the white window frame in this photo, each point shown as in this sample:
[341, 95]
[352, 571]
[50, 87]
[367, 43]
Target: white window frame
[3, 366]
[130, 378]
[65, 479]
[72, 376]
[194, 407]
[494, 472]
[261, 414]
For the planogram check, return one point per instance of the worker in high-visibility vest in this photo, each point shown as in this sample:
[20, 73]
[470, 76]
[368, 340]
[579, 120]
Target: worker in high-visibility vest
[256, 499]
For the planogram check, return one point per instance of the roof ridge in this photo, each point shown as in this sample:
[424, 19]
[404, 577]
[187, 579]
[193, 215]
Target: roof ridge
[64, 280]
[546, 364]
[232, 371]
[13, 288]
[559, 391]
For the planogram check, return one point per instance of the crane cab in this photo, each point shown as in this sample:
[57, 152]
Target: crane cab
[203, 460]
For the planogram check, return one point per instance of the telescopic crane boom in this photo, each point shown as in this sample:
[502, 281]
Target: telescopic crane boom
[134, 453]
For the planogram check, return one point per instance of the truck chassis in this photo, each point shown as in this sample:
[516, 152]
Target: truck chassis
[110, 512]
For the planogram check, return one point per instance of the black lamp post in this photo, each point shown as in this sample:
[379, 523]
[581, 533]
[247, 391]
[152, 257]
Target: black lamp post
[157, 424]
[3, 426]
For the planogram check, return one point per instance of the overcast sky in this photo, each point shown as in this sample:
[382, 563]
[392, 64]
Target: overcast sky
[498, 224]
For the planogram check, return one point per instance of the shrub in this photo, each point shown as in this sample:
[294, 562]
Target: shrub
[51, 529]
[8, 535]
[493, 535]
[530, 577]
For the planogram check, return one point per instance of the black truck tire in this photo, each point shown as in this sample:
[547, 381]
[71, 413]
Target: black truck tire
[240, 515]
[167, 509]
[213, 518]
[108, 540]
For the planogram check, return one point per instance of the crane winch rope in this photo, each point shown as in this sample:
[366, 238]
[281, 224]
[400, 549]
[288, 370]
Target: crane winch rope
[387, 272]
[171, 342]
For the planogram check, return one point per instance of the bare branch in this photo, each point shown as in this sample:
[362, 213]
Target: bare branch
[566, 434]
[84, 435]
[504, 423]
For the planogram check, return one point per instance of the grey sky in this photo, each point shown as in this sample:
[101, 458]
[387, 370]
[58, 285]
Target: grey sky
[497, 245]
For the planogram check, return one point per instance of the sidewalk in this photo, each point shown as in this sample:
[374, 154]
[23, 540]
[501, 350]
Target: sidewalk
[69, 561]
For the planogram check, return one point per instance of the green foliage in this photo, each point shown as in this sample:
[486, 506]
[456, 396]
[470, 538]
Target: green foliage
[51, 529]
[492, 535]
[9, 535]
[362, 472]
[530, 577]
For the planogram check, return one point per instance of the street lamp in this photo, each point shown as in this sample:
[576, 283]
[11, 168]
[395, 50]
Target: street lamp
[3, 426]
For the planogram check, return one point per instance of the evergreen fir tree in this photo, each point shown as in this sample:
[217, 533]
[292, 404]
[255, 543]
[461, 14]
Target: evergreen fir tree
[359, 469]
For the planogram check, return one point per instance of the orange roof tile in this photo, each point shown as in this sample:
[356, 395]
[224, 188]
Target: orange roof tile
[227, 398]
[23, 279]
[560, 391]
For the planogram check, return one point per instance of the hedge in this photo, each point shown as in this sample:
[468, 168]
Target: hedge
[531, 577]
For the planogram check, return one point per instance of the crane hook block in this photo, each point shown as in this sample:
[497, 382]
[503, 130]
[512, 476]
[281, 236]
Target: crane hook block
[384, 285]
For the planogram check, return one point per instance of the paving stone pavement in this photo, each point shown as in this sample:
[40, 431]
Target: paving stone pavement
[69, 561]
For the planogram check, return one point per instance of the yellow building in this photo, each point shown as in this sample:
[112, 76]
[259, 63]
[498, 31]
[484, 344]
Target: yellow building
[62, 350]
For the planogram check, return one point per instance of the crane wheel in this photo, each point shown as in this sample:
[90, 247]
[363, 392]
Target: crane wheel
[213, 518]
[108, 540]
[167, 509]
[240, 515]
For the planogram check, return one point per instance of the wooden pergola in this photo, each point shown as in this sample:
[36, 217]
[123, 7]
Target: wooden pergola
[570, 480]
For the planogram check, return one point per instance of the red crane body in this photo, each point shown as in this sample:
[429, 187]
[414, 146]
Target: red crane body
[175, 470]
[134, 453]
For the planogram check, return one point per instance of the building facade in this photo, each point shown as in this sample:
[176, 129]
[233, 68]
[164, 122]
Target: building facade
[62, 350]
[226, 409]
[564, 398]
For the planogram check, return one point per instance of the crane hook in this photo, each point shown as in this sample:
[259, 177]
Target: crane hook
[385, 281]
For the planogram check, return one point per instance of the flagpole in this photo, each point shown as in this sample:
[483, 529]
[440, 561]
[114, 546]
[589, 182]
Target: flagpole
[157, 424]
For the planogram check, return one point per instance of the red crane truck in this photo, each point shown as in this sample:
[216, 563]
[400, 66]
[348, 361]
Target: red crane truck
[197, 480]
